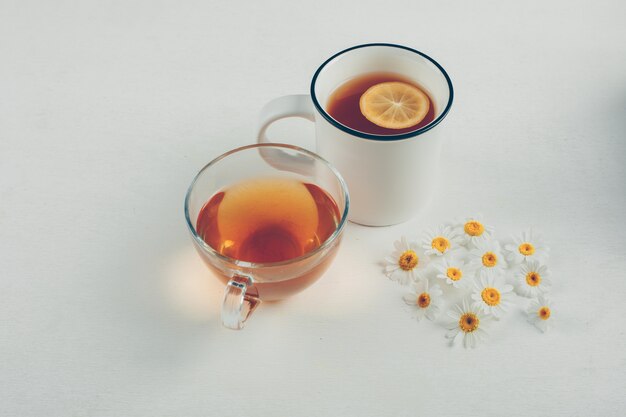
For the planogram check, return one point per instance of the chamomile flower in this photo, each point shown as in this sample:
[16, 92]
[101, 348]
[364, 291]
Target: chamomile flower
[472, 230]
[454, 271]
[440, 241]
[492, 297]
[527, 246]
[470, 322]
[540, 313]
[425, 299]
[532, 279]
[404, 262]
[487, 258]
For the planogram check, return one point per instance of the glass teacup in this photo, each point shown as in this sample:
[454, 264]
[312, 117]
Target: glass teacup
[211, 212]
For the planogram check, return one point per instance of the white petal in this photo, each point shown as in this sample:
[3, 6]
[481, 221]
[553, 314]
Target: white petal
[453, 315]
[401, 278]
[392, 260]
[451, 334]
[396, 275]
[542, 325]
[435, 291]
[481, 335]
[409, 299]
[409, 277]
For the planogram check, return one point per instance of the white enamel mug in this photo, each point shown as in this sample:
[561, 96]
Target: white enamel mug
[390, 177]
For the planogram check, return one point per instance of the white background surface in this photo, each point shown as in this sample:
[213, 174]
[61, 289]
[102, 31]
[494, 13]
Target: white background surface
[108, 109]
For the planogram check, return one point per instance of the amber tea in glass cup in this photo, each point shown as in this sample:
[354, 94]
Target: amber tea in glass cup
[268, 220]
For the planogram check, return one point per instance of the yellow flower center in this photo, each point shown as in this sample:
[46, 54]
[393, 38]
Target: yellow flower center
[526, 249]
[468, 322]
[491, 296]
[490, 259]
[423, 300]
[408, 260]
[440, 243]
[533, 279]
[454, 274]
[474, 228]
[544, 313]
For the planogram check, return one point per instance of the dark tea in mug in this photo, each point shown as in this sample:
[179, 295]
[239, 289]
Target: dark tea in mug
[381, 103]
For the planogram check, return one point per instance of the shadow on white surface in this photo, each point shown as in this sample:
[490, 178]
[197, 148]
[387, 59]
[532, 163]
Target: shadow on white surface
[189, 288]
[191, 292]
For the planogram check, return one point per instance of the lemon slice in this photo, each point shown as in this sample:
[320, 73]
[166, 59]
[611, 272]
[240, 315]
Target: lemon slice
[394, 105]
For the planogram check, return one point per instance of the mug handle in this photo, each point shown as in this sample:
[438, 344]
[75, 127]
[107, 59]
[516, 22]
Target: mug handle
[240, 300]
[297, 105]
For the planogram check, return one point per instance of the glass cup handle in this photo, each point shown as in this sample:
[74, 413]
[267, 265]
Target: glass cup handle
[240, 300]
